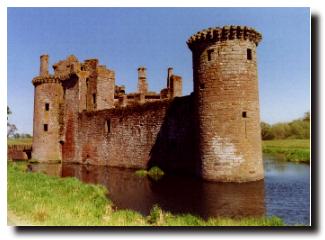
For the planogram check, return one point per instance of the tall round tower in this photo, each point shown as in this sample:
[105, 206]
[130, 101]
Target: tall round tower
[227, 103]
[48, 97]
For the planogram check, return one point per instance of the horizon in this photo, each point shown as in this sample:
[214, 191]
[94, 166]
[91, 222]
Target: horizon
[126, 39]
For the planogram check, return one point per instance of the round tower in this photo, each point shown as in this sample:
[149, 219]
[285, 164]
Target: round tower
[227, 103]
[48, 95]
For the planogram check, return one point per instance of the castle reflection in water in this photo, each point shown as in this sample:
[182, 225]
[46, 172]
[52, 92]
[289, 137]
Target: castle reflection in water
[176, 194]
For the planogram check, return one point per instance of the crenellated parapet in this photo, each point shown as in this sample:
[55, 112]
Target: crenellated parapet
[45, 79]
[223, 34]
[50, 79]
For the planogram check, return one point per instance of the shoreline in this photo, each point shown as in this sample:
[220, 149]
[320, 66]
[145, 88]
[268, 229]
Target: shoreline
[33, 197]
[291, 150]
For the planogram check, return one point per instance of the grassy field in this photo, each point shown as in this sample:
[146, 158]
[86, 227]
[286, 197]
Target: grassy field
[19, 141]
[39, 199]
[295, 150]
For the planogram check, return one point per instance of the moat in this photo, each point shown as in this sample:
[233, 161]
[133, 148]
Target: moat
[284, 192]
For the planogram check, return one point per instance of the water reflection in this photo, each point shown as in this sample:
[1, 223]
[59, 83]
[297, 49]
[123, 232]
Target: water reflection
[284, 192]
[49, 169]
[175, 194]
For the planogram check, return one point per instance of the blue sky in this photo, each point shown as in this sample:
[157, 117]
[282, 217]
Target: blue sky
[125, 38]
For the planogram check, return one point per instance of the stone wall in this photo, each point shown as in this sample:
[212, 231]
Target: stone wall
[90, 66]
[69, 136]
[157, 133]
[105, 88]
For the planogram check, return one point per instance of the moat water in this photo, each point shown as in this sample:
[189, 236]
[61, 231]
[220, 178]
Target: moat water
[284, 192]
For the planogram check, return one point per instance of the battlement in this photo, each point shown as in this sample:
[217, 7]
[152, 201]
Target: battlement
[48, 79]
[223, 34]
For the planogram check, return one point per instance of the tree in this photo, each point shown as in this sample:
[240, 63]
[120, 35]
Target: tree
[11, 128]
[306, 117]
[296, 129]
[266, 131]
[8, 112]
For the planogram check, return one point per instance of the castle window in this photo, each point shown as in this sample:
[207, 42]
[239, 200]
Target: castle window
[244, 114]
[47, 106]
[45, 126]
[108, 126]
[94, 98]
[249, 54]
[210, 51]
[202, 86]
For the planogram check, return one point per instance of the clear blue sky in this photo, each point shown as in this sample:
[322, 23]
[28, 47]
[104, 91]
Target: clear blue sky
[126, 38]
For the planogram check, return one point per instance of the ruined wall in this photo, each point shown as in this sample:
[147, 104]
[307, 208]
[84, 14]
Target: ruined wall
[71, 109]
[175, 86]
[90, 65]
[142, 80]
[227, 104]
[156, 133]
[105, 88]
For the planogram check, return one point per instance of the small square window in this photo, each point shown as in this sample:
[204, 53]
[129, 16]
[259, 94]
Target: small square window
[47, 106]
[202, 86]
[45, 127]
[249, 54]
[210, 51]
[244, 114]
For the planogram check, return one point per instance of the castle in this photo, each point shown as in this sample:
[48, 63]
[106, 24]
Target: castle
[82, 116]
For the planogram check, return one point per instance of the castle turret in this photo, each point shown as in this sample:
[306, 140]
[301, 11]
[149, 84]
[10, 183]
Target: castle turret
[44, 66]
[142, 80]
[169, 75]
[227, 103]
[47, 115]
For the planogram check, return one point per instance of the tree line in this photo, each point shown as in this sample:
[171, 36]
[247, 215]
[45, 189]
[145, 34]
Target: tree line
[12, 129]
[296, 129]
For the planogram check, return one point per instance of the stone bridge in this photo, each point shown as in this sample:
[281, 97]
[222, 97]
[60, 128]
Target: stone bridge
[19, 152]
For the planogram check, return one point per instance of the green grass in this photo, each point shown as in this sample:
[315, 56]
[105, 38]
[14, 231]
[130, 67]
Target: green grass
[155, 173]
[158, 217]
[294, 150]
[19, 141]
[51, 201]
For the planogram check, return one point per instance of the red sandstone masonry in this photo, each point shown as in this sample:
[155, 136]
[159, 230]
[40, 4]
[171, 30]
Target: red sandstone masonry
[214, 133]
[120, 137]
[227, 104]
[46, 146]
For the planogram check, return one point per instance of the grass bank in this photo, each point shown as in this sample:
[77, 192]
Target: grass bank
[44, 200]
[19, 141]
[294, 150]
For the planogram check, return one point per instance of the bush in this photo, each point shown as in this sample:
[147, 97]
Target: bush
[296, 129]
[155, 173]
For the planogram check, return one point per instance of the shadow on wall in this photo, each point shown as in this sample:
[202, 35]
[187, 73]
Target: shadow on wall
[175, 149]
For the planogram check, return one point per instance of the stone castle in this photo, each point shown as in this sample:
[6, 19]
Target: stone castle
[82, 116]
